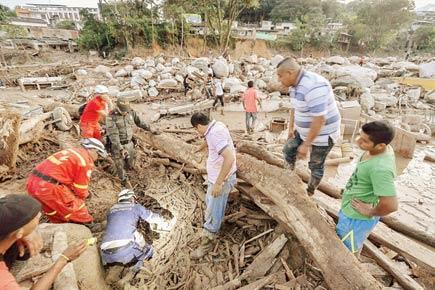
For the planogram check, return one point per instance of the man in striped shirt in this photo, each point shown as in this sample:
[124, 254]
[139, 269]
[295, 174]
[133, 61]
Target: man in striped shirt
[314, 118]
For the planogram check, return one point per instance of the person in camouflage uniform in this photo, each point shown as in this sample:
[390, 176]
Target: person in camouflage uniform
[119, 130]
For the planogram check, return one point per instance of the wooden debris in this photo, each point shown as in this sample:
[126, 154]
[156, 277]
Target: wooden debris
[9, 138]
[263, 262]
[260, 283]
[404, 280]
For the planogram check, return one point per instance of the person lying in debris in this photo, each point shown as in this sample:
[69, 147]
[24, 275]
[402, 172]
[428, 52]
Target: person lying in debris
[122, 242]
[60, 183]
[119, 129]
[370, 192]
[19, 217]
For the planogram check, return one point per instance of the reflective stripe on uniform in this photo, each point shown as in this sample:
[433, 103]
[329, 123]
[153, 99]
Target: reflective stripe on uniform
[80, 157]
[54, 160]
[352, 241]
[51, 213]
[82, 206]
[68, 216]
[80, 186]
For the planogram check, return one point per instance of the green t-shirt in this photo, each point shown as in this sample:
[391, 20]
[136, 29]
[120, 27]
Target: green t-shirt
[372, 178]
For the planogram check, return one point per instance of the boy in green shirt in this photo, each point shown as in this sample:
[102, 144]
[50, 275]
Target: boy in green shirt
[370, 192]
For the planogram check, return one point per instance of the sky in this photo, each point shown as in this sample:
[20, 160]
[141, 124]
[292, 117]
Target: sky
[93, 3]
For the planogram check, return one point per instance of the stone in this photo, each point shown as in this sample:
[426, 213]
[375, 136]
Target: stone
[153, 92]
[81, 72]
[430, 97]
[231, 68]
[427, 70]
[201, 63]
[113, 91]
[146, 74]
[366, 100]
[150, 63]
[414, 94]
[121, 73]
[275, 85]
[165, 76]
[161, 60]
[137, 81]
[259, 68]
[407, 65]
[175, 61]
[160, 67]
[137, 62]
[168, 83]
[336, 60]
[230, 82]
[189, 70]
[220, 69]
[108, 75]
[261, 84]
[276, 60]
[129, 68]
[102, 69]
[252, 58]
[275, 96]
[137, 72]
[132, 95]
[152, 83]
[179, 78]
[237, 89]
[348, 80]
[385, 98]
[379, 106]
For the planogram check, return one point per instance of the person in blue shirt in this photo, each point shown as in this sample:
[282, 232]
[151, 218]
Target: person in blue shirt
[122, 242]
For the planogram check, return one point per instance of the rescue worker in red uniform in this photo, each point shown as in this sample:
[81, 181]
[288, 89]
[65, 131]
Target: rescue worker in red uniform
[96, 109]
[60, 183]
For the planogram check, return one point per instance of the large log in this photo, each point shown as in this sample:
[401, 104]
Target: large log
[72, 109]
[422, 255]
[9, 138]
[297, 211]
[392, 220]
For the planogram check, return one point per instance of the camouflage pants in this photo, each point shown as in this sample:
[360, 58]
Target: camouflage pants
[122, 163]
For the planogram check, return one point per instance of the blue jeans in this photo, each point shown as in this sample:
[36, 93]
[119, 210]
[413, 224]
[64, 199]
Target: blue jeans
[317, 158]
[250, 120]
[132, 253]
[215, 206]
[354, 232]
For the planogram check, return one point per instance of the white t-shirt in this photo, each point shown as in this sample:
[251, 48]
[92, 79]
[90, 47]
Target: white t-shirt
[219, 90]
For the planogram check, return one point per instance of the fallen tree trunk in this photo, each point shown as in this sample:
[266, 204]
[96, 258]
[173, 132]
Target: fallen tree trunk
[297, 212]
[404, 280]
[392, 221]
[72, 109]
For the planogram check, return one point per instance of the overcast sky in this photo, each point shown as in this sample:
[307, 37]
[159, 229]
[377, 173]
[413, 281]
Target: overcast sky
[93, 3]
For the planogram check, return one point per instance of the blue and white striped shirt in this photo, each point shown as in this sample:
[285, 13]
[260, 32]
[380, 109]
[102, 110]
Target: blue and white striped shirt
[311, 97]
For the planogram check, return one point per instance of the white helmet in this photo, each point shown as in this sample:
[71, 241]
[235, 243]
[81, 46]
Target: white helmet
[125, 195]
[92, 143]
[100, 89]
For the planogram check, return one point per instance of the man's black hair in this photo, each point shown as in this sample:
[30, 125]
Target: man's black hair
[199, 119]
[379, 132]
[250, 84]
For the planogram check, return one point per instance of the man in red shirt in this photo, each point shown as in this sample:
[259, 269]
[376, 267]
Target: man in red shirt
[250, 100]
[60, 183]
[96, 109]
[19, 217]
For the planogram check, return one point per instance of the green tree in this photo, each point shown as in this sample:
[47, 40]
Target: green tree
[424, 38]
[292, 10]
[5, 13]
[66, 24]
[377, 21]
[95, 34]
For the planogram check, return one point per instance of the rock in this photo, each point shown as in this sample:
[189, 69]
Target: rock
[237, 89]
[231, 68]
[102, 69]
[81, 72]
[276, 60]
[160, 67]
[175, 61]
[259, 68]
[336, 60]
[137, 81]
[409, 66]
[201, 63]
[129, 68]
[165, 76]
[379, 106]
[349, 80]
[168, 83]
[132, 95]
[366, 100]
[275, 85]
[113, 82]
[161, 60]
[252, 58]
[430, 97]
[230, 82]
[108, 75]
[146, 74]
[179, 78]
[137, 62]
[190, 70]
[152, 83]
[385, 98]
[136, 73]
[121, 73]
[427, 70]
[275, 96]
[261, 84]
[150, 63]
[113, 91]
[153, 92]
[414, 94]
[220, 69]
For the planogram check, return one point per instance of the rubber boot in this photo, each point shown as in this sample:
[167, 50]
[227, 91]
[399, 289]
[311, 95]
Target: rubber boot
[205, 247]
[313, 183]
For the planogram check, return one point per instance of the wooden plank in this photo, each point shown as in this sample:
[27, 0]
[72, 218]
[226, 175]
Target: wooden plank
[422, 255]
[404, 280]
[259, 284]
[263, 262]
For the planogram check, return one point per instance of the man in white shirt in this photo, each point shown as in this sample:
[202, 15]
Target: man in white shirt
[218, 93]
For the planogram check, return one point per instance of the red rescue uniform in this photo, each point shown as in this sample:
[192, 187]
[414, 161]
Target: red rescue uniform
[89, 126]
[61, 183]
